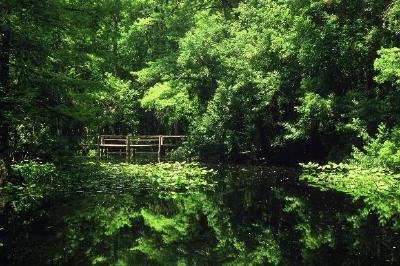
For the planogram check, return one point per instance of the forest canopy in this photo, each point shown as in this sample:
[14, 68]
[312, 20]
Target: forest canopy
[305, 78]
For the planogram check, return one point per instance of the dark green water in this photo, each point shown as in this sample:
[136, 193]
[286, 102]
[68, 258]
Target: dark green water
[250, 217]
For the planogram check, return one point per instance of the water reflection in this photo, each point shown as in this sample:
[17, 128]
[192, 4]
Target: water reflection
[252, 217]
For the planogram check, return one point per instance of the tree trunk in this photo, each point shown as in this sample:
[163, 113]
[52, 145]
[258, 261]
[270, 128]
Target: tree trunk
[5, 158]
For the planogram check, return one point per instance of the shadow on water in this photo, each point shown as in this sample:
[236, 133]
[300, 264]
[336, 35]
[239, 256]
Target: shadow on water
[251, 216]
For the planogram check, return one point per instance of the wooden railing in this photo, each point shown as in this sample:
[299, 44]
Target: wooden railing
[132, 145]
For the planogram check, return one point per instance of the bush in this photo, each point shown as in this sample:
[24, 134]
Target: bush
[371, 175]
[381, 151]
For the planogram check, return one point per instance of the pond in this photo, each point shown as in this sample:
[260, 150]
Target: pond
[239, 216]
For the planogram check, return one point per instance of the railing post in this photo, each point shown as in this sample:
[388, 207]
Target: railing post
[159, 148]
[128, 148]
[98, 146]
[101, 148]
[133, 150]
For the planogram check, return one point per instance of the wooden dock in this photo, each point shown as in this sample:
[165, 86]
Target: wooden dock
[129, 145]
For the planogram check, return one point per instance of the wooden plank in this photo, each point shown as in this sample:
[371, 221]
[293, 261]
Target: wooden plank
[174, 136]
[138, 145]
[123, 137]
[145, 140]
[144, 145]
[112, 145]
[144, 136]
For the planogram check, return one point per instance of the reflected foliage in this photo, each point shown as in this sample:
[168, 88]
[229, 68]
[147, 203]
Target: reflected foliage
[184, 214]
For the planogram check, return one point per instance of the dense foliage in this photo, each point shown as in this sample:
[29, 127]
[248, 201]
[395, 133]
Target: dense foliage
[281, 81]
[254, 76]
[371, 175]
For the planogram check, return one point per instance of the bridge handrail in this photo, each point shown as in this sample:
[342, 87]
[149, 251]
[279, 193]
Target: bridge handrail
[131, 142]
[143, 136]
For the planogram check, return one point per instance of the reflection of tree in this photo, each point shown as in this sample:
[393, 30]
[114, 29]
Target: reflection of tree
[249, 218]
[201, 232]
[100, 229]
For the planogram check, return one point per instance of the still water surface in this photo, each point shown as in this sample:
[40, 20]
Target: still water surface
[260, 216]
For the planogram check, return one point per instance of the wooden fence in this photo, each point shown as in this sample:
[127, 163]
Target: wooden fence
[132, 145]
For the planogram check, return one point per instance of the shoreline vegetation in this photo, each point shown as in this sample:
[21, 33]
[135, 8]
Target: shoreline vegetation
[371, 175]
[44, 181]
